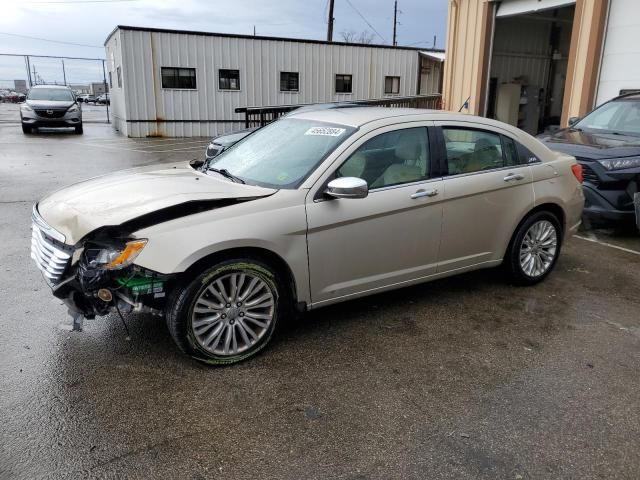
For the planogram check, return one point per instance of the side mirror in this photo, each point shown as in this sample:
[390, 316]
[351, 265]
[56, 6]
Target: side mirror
[573, 121]
[347, 187]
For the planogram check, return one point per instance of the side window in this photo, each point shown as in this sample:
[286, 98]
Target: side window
[228, 79]
[470, 150]
[391, 158]
[511, 155]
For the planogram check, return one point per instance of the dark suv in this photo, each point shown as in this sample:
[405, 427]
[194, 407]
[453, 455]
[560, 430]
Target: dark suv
[606, 142]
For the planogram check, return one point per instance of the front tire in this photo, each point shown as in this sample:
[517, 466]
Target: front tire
[534, 249]
[79, 129]
[26, 129]
[228, 313]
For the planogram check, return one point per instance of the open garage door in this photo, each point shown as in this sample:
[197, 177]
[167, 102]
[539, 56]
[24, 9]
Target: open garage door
[529, 63]
[519, 7]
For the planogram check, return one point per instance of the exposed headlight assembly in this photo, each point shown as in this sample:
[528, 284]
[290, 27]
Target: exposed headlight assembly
[113, 258]
[73, 108]
[26, 108]
[620, 163]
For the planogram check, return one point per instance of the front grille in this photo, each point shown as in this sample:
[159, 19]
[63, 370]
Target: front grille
[49, 113]
[51, 256]
[589, 175]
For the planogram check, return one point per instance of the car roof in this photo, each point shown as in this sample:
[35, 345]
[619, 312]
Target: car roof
[628, 96]
[359, 116]
[60, 87]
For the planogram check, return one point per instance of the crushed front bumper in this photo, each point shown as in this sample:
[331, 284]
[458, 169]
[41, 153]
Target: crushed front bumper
[88, 290]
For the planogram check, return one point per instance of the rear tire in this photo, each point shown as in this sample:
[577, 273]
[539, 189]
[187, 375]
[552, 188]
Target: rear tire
[534, 249]
[26, 129]
[227, 313]
[79, 129]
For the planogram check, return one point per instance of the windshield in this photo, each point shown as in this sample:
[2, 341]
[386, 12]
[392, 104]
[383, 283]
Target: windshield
[54, 94]
[282, 154]
[621, 116]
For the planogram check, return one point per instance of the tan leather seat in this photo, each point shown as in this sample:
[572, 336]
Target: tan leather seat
[411, 149]
[485, 155]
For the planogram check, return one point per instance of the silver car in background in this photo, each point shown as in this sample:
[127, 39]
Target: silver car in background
[50, 106]
[311, 210]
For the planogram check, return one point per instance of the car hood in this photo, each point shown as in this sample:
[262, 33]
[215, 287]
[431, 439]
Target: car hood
[53, 104]
[592, 146]
[120, 197]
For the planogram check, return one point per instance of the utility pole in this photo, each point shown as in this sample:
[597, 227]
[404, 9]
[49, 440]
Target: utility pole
[64, 74]
[330, 23]
[254, 30]
[434, 42]
[26, 57]
[395, 21]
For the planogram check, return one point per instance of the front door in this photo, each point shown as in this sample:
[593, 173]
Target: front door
[388, 238]
[487, 187]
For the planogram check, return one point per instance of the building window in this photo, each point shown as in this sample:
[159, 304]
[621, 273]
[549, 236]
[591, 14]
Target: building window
[173, 77]
[289, 81]
[110, 81]
[229, 79]
[391, 84]
[343, 83]
[119, 71]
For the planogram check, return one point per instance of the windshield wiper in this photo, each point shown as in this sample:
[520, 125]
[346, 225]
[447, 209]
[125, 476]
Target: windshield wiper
[227, 174]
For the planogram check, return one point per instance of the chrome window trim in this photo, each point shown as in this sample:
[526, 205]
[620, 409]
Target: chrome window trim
[402, 185]
[458, 175]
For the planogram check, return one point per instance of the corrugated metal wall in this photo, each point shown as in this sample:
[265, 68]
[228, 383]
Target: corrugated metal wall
[521, 49]
[208, 110]
[430, 76]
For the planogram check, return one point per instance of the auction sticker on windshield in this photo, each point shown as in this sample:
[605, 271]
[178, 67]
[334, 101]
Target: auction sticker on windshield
[325, 131]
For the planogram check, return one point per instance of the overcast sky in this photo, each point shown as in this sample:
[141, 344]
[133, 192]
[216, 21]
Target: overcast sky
[88, 22]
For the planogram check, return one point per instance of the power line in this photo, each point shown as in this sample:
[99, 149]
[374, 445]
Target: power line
[366, 21]
[49, 40]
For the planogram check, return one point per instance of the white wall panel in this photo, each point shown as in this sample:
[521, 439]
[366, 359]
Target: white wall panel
[208, 110]
[621, 56]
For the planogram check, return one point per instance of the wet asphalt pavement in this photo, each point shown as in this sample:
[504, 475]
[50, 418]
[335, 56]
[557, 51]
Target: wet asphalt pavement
[467, 377]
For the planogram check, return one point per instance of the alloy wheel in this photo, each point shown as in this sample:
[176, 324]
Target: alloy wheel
[539, 248]
[232, 314]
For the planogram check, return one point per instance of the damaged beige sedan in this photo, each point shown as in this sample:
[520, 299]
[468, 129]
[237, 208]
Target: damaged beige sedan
[314, 209]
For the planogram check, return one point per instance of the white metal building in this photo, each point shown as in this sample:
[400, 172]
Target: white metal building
[182, 83]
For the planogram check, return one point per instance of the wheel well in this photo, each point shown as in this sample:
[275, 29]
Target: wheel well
[267, 256]
[552, 208]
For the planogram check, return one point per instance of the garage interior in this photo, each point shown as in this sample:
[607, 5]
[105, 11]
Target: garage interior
[529, 58]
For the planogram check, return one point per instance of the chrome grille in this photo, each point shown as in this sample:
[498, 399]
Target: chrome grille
[50, 254]
[49, 113]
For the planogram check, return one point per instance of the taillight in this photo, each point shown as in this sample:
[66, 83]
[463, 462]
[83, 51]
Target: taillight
[577, 172]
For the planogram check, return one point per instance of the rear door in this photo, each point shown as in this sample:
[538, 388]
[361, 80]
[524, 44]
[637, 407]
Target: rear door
[487, 187]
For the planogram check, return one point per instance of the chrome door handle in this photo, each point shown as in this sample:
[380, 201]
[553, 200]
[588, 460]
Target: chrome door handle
[424, 193]
[513, 176]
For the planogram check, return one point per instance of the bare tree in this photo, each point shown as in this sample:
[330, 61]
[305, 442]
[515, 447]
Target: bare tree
[351, 36]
